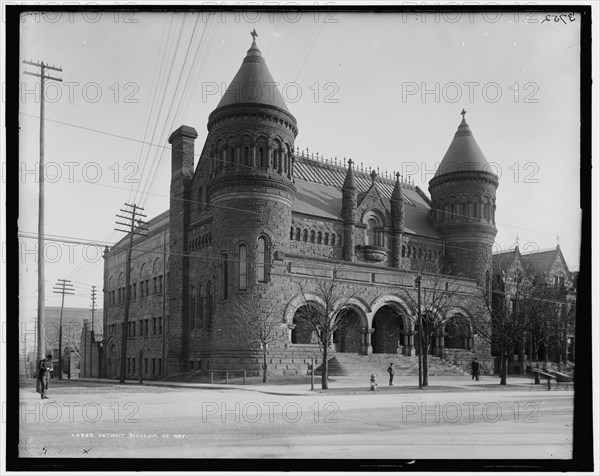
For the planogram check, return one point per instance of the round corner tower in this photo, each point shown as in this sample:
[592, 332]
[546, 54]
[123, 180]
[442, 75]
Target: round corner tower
[250, 168]
[463, 206]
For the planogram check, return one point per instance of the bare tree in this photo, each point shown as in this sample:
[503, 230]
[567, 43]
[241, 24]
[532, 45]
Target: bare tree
[516, 300]
[436, 295]
[257, 324]
[325, 301]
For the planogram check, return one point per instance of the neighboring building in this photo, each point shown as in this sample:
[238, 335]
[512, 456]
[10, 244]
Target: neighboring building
[73, 319]
[548, 296]
[256, 216]
[90, 351]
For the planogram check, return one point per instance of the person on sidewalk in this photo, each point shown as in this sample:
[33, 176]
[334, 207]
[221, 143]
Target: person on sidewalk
[44, 372]
[391, 372]
[475, 369]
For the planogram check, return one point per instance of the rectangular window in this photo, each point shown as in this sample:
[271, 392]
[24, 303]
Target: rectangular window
[154, 325]
[159, 366]
[135, 291]
[147, 287]
[160, 284]
[133, 364]
[145, 365]
[155, 285]
[160, 325]
[128, 365]
[153, 366]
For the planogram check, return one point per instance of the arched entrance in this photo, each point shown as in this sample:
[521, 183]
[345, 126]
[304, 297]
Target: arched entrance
[457, 332]
[301, 329]
[347, 338]
[387, 330]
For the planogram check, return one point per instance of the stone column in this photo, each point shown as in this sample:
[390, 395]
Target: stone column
[409, 344]
[440, 345]
[366, 348]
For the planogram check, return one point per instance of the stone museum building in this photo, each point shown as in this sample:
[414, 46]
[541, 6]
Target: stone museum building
[251, 215]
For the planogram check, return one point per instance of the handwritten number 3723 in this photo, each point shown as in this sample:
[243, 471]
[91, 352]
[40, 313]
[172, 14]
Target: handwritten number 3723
[557, 18]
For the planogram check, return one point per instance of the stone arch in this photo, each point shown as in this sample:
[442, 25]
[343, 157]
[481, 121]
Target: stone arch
[458, 329]
[112, 359]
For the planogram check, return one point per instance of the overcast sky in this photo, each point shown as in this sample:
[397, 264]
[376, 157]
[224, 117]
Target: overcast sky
[383, 89]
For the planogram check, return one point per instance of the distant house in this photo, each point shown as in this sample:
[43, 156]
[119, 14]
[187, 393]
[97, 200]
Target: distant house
[552, 288]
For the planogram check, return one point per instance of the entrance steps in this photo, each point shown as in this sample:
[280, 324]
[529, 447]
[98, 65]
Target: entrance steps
[347, 364]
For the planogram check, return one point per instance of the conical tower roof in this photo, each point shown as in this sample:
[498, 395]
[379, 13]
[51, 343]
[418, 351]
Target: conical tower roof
[253, 84]
[464, 154]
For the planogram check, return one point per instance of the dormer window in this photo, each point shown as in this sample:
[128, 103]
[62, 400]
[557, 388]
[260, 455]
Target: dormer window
[374, 231]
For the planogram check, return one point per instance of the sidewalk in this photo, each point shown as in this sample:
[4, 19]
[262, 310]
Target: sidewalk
[353, 385]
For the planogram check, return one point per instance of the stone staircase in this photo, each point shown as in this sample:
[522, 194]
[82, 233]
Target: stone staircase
[347, 364]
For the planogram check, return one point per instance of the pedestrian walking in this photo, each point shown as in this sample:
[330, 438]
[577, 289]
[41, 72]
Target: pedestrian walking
[475, 369]
[391, 372]
[44, 372]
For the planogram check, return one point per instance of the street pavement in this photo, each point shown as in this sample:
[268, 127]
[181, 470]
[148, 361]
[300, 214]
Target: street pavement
[455, 418]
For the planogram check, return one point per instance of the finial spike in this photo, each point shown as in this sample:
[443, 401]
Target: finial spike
[253, 34]
[463, 112]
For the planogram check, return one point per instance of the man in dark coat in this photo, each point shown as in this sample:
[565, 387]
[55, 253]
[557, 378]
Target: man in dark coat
[475, 369]
[44, 372]
[391, 372]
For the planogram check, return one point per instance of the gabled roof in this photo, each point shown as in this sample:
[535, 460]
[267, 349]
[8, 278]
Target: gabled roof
[541, 262]
[503, 261]
[319, 193]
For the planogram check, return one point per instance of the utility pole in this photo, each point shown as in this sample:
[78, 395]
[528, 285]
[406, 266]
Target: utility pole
[420, 335]
[92, 331]
[134, 225]
[41, 317]
[63, 286]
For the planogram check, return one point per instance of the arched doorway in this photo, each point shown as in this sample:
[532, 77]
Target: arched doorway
[301, 330]
[347, 338]
[112, 362]
[456, 332]
[387, 331]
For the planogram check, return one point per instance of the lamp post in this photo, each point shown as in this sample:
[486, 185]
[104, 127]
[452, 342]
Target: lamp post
[420, 331]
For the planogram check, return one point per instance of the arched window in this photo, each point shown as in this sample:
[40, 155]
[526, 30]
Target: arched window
[262, 260]
[326, 239]
[333, 239]
[305, 236]
[209, 304]
[291, 233]
[224, 276]
[243, 267]
[374, 232]
[312, 236]
[261, 157]
[319, 238]
[298, 234]
[199, 308]
[192, 315]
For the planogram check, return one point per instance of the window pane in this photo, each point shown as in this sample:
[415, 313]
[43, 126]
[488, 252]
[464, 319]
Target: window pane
[260, 260]
[243, 268]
